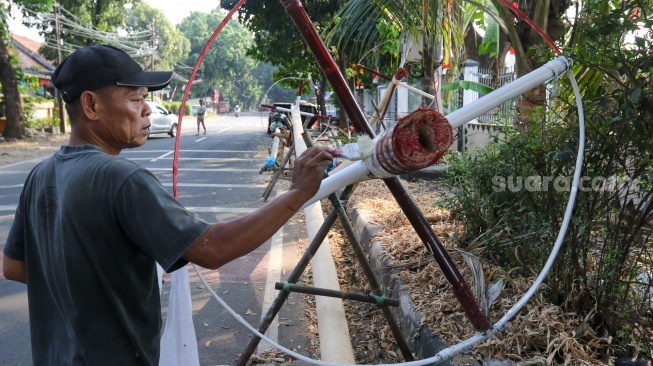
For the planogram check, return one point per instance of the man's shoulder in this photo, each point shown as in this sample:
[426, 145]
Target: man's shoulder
[91, 161]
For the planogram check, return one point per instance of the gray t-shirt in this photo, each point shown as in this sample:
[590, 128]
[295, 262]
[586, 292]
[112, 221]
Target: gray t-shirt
[90, 227]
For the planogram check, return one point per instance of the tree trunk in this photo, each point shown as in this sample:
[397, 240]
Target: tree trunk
[427, 77]
[15, 125]
[321, 102]
[342, 115]
[472, 41]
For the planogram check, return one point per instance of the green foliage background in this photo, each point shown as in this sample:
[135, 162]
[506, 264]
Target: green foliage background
[608, 250]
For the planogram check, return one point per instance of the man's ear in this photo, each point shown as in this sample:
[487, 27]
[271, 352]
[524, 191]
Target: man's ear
[88, 105]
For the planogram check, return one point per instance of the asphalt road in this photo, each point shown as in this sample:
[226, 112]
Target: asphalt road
[218, 179]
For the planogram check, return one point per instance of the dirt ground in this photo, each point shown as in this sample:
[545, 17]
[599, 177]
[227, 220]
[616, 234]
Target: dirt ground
[36, 145]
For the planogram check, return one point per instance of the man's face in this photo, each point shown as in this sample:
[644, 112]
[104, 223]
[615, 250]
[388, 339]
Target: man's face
[123, 112]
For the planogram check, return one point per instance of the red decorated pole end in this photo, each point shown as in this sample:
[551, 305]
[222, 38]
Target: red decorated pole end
[415, 142]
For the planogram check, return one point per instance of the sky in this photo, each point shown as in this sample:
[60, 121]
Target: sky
[175, 11]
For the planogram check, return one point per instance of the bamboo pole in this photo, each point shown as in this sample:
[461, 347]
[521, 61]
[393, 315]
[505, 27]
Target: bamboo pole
[335, 343]
[459, 287]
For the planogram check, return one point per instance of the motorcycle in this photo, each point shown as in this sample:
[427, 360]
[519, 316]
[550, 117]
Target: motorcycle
[237, 112]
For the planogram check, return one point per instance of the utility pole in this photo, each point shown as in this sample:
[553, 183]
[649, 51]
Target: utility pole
[152, 44]
[62, 117]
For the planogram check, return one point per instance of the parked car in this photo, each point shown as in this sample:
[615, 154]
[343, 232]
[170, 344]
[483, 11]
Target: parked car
[304, 106]
[161, 120]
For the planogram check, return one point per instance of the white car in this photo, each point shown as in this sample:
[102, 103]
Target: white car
[162, 121]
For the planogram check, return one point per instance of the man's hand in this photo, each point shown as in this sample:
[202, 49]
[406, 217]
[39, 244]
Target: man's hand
[309, 170]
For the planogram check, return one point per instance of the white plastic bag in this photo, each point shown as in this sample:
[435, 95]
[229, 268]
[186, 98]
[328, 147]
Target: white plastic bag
[178, 343]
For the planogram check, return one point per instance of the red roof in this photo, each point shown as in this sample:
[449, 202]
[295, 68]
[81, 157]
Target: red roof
[27, 51]
[30, 44]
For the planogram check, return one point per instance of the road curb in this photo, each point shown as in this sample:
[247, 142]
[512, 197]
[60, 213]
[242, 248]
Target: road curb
[422, 341]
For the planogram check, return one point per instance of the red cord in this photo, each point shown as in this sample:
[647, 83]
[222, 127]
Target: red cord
[301, 88]
[175, 160]
[520, 14]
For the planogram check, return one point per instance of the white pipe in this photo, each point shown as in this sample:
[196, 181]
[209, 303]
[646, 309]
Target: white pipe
[415, 90]
[388, 92]
[300, 112]
[360, 171]
[384, 101]
[275, 145]
[542, 75]
[335, 343]
[353, 173]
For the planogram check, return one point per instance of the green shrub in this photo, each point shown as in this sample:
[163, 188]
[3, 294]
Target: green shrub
[39, 123]
[608, 248]
[174, 107]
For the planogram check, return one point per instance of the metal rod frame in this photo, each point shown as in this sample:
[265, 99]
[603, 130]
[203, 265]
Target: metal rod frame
[344, 295]
[338, 211]
[294, 277]
[277, 174]
[461, 290]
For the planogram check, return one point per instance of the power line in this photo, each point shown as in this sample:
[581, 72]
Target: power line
[135, 44]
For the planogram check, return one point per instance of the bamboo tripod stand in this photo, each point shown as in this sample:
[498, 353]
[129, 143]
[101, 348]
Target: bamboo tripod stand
[338, 211]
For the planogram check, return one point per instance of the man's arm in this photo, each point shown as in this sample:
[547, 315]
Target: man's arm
[226, 241]
[14, 270]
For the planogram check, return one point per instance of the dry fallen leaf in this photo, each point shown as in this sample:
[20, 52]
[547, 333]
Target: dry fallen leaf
[525, 339]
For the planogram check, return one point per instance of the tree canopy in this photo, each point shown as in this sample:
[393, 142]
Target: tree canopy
[167, 43]
[226, 66]
[277, 41]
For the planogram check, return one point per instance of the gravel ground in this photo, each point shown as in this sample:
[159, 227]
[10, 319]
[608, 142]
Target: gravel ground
[36, 145]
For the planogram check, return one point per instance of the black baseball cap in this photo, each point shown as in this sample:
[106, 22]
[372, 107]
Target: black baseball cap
[94, 67]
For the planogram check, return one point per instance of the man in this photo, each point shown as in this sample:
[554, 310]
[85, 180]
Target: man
[201, 111]
[274, 125]
[90, 225]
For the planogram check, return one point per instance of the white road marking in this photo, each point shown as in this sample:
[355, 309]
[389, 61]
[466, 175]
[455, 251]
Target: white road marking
[216, 209]
[274, 275]
[14, 171]
[216, 185]
[225, 129]
[14, 186]
[162, 156]
[193, 185]
[213, 209]
[26, 161]
[233, 170]
[191, 151]
[204, 159]
[133, 151]
[200, 139]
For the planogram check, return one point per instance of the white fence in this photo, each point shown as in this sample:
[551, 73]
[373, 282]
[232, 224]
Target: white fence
[474, 134]
[478, 133]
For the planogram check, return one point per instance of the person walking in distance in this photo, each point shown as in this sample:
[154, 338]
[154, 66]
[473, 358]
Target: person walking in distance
[90, 226]
[201, 111]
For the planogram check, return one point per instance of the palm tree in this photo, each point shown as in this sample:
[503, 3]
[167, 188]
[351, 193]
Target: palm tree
[356, 29]
[364, 26]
